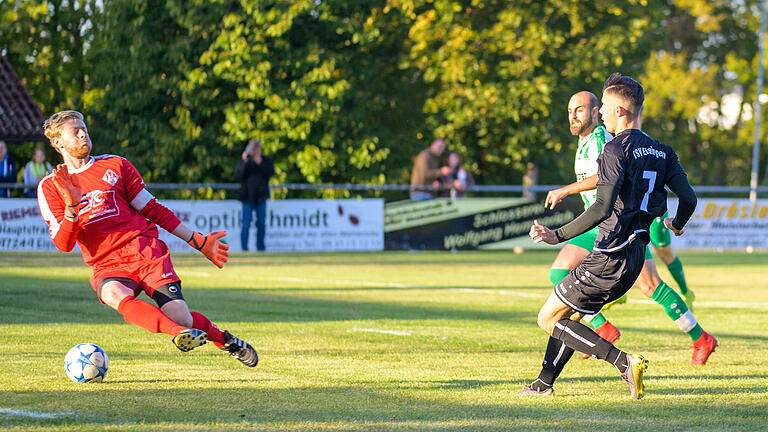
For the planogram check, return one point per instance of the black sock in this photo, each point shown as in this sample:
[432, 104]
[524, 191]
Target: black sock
[582, 338]
[555, 358]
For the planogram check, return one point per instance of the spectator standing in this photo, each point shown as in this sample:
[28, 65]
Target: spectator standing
[34, 171]
[8, 170]
[427, 170]
[254, 171]
[458, 179]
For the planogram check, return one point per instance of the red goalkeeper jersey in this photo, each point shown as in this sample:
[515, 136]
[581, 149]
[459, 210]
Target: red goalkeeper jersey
[114, 209]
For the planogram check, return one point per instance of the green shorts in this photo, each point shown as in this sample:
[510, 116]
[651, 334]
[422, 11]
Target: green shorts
[660, 236]
[587, 241]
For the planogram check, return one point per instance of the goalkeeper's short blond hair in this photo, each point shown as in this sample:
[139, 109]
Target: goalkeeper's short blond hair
[52, 126]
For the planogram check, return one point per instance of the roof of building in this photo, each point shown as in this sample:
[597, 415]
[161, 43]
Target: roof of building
[20, 117]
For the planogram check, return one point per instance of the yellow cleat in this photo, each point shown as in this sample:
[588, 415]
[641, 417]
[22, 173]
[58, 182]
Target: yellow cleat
[634, 374]
[620, 300]
[689, 297]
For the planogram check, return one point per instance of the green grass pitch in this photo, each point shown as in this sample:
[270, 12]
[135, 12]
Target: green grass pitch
[376, 341]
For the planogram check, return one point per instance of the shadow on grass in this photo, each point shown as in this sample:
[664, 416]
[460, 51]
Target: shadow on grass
[351, 259]
[26, 300]
[384, 258]
[178, 381]
[722, 337]
[349, 286]
[357, 407]
[33, 300]
[609, 376]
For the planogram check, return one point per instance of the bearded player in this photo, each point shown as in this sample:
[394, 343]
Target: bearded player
[582, 112]
[633, 170]
[100, 203]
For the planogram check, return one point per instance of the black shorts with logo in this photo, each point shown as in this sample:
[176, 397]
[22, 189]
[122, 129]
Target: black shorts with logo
[602, 278]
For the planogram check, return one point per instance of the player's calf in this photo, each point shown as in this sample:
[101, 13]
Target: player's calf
[608, 332]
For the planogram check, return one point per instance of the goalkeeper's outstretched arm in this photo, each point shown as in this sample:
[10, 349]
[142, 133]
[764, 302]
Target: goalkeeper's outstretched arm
[209, 245]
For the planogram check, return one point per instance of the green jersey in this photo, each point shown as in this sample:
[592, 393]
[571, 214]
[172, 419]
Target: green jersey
[586, 159]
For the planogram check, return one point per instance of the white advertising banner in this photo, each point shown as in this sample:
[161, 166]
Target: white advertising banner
[724, 224]
[291, 225]
[321, 225]
[21, 227]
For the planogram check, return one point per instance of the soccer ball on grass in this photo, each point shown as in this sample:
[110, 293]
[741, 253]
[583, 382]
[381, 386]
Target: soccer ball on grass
[86, 362]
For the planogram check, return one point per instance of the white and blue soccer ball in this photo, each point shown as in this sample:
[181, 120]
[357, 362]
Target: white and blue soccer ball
[86, 362]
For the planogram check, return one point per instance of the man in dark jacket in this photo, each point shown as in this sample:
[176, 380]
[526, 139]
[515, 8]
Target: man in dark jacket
[7, 170]
[254, 172]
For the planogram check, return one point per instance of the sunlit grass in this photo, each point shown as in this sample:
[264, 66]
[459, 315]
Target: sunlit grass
[375, 341]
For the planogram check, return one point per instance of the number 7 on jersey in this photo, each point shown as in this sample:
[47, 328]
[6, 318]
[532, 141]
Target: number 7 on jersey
[651, 176]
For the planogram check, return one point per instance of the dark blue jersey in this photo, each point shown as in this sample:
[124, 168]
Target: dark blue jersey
[639, 167]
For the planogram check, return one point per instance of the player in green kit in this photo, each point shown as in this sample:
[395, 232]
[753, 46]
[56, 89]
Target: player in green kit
[582, 112]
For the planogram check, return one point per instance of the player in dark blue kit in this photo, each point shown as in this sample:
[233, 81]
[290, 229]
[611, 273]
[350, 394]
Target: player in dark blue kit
[633, 170]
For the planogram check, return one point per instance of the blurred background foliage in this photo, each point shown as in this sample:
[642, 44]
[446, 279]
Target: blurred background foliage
[350, 91]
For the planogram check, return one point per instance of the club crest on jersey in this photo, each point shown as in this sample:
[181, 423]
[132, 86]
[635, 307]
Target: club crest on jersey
[110, 177]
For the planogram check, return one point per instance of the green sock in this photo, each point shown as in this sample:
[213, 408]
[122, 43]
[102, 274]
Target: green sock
[595, 320]
[556, 275]
[675, 308]
[676, 268]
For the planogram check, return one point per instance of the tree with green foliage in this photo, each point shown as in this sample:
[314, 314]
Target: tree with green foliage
[47, 43]
[700, 85]
[142, 57]
[318, 82]
[500, 76]
[350, 92]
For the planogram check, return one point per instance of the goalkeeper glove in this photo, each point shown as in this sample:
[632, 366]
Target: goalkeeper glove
[69, 189]
[211, 247]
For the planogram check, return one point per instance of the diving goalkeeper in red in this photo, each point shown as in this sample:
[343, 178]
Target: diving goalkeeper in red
[101, 204]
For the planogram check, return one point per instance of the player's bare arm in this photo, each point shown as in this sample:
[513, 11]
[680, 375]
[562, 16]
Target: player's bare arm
[554, 197]
[209, 245]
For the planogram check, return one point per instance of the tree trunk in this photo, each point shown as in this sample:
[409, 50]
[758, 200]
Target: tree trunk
[531, 178]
